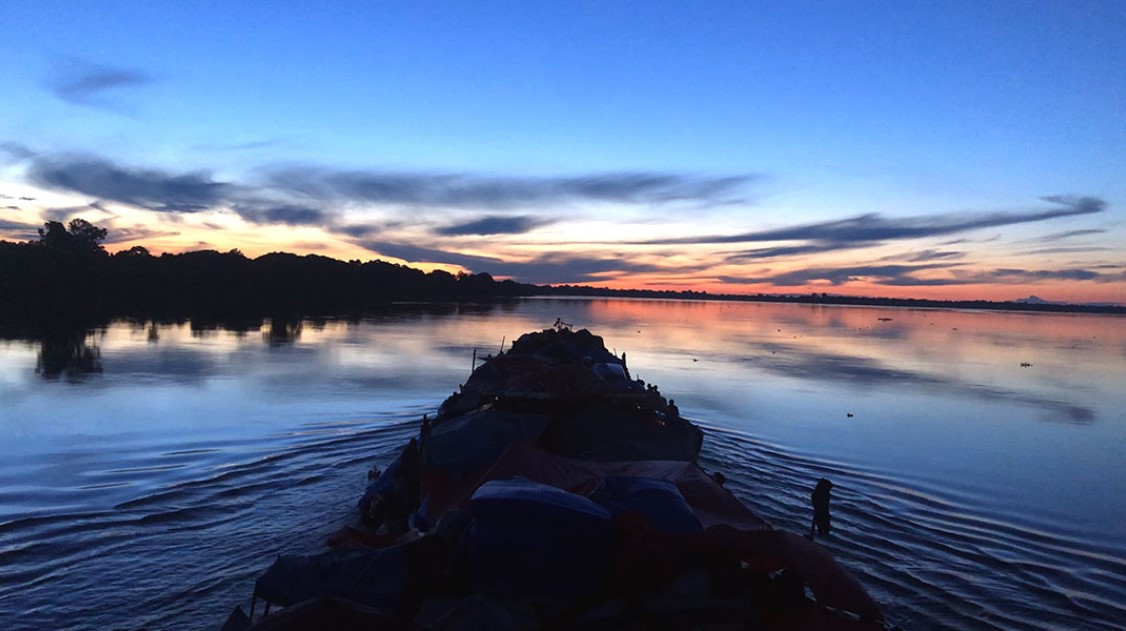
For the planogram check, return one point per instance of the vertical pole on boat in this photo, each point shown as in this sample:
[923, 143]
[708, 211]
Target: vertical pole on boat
[474, 365]
[502, 338]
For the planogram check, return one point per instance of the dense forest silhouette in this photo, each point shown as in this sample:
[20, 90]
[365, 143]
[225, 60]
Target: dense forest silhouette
[67, 273]
[67, 276]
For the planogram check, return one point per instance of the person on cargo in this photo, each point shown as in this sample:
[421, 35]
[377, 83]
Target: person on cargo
[820, 499]
[424, 432]
[407, 477]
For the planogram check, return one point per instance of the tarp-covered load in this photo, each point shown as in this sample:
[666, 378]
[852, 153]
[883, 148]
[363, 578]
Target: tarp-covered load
[553, 490]
[531, 538]
[658, 502]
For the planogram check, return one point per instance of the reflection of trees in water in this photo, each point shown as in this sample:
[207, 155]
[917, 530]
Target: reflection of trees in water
[66, 352]
[71, 349]
[283, 331]
[148, 328]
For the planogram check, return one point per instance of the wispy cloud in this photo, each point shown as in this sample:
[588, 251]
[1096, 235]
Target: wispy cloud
[6, 224]
[152, 189]
[422, 254]
[120, 234]
[307, 196]
[359, 231]
[935, 255]
[66, 213]
[85, 83]
[872, 228]
[18, 230]
[407, 215]
[881, 274]
[817, 248]
[550, 268]
[1065, 249]
[15, 151]
[1070, 234]
[283, 214]
[571, 269]
[759, 254]
[476, 191]
[254, 145]
[494, 224]
[1010, 275]
[907, 275]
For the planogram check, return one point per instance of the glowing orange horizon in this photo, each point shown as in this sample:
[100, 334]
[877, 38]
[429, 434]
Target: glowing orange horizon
[1079, 292]
[689, 268]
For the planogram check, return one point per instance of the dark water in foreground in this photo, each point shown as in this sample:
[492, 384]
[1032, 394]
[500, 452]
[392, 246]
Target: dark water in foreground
[148, 474]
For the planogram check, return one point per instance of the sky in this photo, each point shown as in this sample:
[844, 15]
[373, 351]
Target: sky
[954, 150]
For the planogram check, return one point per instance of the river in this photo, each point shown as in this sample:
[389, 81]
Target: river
[150, 471]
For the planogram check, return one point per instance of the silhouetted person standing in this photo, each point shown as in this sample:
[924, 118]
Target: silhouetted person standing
[407, 479]
[424, 432]
[821, 507]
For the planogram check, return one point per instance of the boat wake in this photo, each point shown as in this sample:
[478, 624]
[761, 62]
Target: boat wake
[173, 556]
[930, 557]
[180, 553]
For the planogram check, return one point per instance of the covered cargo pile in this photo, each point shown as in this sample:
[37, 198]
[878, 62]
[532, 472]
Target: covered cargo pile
[554, 491]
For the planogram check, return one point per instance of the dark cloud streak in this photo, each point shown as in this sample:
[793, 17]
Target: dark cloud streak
[19, 230]
[83, 83]
[785, 250]
[303, 197]
[554, 268]
[873, 228]
[935, 255]
[126, 235]
[17, 225]
[458, 190]
[493, 225]
[1069, 249]
[311, 197]
[152, 189]
[906, 276]
[1059, 236]
[288, 215]
[835, 275]
[572, 269]
[421, 254]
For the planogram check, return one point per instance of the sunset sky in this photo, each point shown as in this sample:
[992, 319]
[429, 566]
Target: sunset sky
[952, 150]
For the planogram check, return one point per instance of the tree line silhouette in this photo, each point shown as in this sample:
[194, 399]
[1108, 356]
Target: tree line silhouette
[68, 276]
[67, 273]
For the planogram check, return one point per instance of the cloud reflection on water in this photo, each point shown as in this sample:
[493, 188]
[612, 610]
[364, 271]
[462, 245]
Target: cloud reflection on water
[795, 362]
[903, 352]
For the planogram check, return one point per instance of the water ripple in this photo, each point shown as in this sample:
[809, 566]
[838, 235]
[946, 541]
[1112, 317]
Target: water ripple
[190, 550]
[927, 555]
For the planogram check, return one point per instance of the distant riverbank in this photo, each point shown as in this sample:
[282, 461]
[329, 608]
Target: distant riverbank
[831, 299]
[67, 276]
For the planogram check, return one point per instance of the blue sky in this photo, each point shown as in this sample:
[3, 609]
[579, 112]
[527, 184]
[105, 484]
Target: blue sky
[958, 150]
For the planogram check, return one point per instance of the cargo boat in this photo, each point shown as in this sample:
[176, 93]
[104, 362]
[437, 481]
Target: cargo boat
[553, 490]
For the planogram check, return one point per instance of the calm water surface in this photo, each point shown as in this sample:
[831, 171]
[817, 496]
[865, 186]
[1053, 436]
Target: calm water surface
[148, 472]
